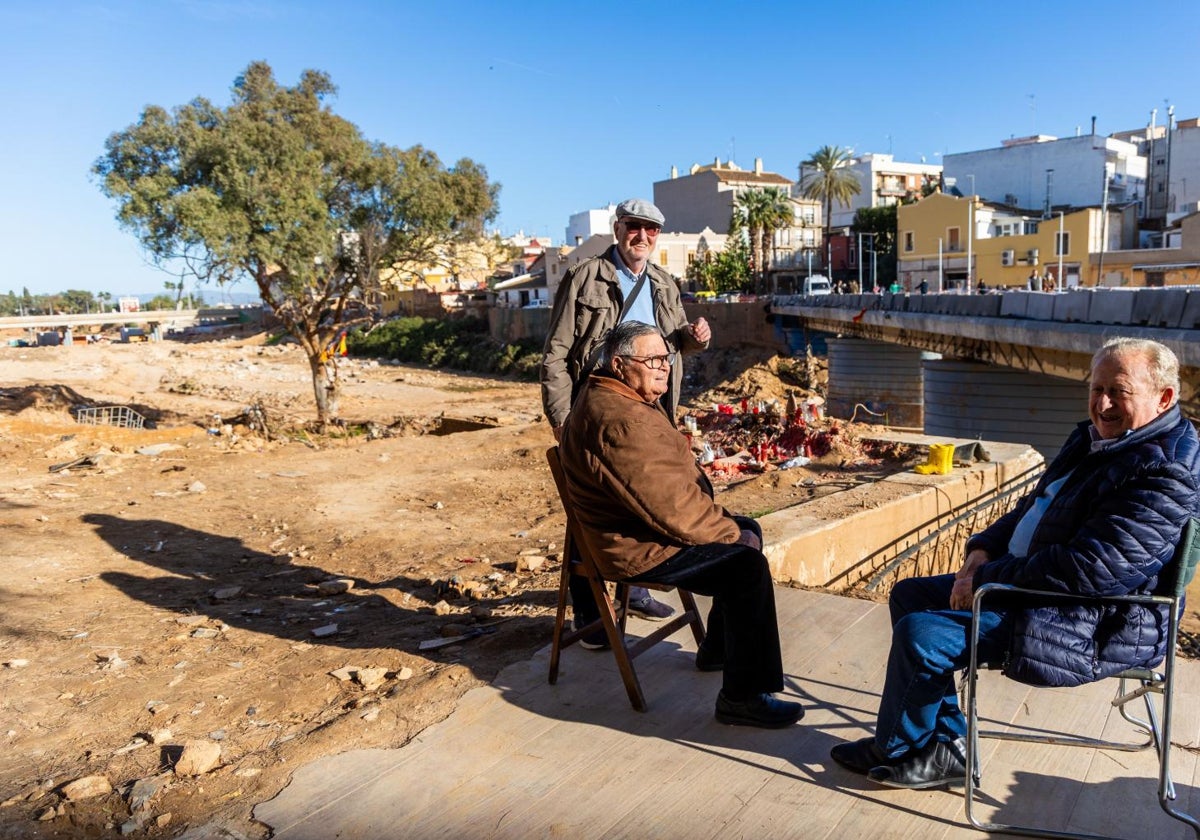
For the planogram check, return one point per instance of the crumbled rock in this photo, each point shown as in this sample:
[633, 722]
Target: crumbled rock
[530, 563]
[89, 787]
[370, 678]
[335, 587]
[198, 758]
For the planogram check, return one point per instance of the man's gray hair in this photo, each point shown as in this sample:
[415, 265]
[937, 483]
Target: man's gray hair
[1163, 367]
[619, 341]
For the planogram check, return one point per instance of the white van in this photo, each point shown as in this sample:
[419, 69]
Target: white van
[817, 284]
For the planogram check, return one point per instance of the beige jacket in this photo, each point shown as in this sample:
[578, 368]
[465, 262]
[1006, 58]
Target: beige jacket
[637, 492]
[586, 307]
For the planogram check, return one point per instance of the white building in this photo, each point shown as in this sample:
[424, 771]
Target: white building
[1173, 166]
[1043, 172]
[586, 224]
[883, 180]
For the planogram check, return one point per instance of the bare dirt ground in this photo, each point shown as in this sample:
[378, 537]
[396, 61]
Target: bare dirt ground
[170, 586]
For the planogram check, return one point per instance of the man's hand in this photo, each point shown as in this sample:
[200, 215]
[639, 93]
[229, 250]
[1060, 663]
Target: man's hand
[974, 560]
[963, 592]
[750, 539]
[700, 330]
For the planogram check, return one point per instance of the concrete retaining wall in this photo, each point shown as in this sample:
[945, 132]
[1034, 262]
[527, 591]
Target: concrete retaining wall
[840, 541]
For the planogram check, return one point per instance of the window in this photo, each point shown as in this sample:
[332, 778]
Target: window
[952, 243]
[691, 257]
[1062, 244]
[908, 240]
[662, 257]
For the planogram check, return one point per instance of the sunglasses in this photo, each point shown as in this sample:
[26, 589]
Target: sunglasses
[638, 224]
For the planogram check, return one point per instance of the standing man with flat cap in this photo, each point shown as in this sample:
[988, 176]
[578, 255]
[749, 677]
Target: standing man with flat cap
[622, 284]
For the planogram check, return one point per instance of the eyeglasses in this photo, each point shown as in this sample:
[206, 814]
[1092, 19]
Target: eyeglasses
[654, 362]
[638, 224]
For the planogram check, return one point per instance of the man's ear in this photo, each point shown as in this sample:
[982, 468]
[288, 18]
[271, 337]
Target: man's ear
[1166, 400]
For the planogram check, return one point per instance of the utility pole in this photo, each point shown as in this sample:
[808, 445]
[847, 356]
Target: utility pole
[1103, 225]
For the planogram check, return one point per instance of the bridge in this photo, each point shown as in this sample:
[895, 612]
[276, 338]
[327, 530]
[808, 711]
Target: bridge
[178, 317]
[1047, 337]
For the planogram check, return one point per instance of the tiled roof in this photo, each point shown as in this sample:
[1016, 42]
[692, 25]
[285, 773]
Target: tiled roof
[737, 176]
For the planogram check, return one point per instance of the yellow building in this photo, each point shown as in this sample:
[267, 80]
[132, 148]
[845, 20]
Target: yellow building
[1174, 262]
[952, 242]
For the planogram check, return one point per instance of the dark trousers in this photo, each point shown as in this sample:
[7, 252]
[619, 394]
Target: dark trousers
[741, 623]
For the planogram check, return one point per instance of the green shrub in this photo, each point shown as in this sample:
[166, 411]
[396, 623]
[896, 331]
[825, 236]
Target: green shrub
[459, 344]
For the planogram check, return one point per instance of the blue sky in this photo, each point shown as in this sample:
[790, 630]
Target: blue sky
[568, 105]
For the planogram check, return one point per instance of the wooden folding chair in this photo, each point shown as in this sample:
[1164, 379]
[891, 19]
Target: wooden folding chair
[612, 620]
[1132, 684]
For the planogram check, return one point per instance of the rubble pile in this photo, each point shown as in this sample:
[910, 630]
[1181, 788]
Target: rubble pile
[734, 442]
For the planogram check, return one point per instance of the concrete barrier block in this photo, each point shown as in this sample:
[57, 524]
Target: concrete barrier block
[1014, 304]
[945, 304]
[1190, 319]
[1159, 307]
[1040, 306]
[922, 303]
[1073, 306]
[1111, 306]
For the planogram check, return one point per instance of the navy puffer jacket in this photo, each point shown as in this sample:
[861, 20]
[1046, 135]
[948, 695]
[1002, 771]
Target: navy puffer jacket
[1110, 529]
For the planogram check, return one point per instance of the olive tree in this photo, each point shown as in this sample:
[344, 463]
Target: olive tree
[277, 188]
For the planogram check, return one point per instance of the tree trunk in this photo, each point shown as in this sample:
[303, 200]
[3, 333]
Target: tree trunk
[326, 387]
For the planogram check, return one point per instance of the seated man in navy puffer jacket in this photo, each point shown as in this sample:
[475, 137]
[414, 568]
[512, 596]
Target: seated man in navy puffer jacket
[1103, 520]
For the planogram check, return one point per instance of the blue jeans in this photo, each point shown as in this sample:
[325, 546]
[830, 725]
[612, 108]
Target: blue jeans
[930, 642]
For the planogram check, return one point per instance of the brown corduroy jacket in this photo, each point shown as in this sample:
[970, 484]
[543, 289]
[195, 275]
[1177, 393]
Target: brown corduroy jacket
[638, 494]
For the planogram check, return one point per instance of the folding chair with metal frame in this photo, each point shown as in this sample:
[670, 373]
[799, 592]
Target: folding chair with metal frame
[611, 620]
[1132, 684]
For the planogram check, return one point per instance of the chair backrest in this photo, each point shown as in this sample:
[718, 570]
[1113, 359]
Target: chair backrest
[1182, 568]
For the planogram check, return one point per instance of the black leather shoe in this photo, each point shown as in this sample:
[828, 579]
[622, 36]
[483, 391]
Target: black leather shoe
[761, 710]
[860, 756]
[937, 764]
[706, 660]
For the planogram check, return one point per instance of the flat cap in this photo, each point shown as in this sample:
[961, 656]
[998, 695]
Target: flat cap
[639, 208]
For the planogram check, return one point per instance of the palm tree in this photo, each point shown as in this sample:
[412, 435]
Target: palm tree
[778, 214]
[751, 208]
[828, 180]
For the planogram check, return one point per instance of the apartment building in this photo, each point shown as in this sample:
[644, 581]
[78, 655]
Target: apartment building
[883, 181]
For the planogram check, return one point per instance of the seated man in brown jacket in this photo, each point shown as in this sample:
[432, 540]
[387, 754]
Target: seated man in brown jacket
[646, 514]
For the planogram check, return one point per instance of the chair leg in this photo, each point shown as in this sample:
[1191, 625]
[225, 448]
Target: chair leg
[1166, 789]
[560, 617]
[614, 628]
[697, 622]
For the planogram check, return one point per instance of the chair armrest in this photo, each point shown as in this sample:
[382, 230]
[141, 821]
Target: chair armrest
[1069, 597]
[1045, 595]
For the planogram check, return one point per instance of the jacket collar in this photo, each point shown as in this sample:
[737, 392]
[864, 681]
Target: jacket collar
[1169, 419]
[616, 386]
